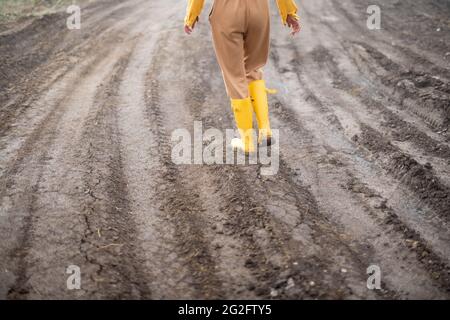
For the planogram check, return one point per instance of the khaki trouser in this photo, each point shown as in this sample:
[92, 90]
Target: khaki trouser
[240, 31]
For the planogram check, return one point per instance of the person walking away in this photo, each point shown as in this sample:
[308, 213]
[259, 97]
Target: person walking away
[240, 31]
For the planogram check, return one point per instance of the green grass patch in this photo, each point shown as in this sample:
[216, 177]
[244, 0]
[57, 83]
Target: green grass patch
[13, 9]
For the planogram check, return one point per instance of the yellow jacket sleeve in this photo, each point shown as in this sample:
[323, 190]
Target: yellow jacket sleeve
[194, 9]
[287, 7]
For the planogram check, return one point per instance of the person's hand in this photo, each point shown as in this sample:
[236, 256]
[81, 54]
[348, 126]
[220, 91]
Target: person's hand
[188, 29]
[293, 24]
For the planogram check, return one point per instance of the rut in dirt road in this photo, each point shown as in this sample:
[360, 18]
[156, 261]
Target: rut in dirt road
[87, 178]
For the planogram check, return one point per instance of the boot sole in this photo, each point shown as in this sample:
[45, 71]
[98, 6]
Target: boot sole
[267, 142]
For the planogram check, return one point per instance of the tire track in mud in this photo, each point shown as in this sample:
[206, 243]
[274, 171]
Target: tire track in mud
[369, 248]
[273, 256]
[400, 79]
[19, 191]
[47, 124]
[237, 210]
[344, 83]
[424, 94]
[40, 107]
[289, 117]
[183, 211]
[180, 205]
[66, 46]
[176, 253]
[397, 230]
[43, 167]
[391, 122]
[270, 253]
[110, 240]
[96, 186]
[226, 249]
[419, 178]
[423, 58]
[364, 69]
[409, 84]
[249, 216]
[55, 180]
[437, 267]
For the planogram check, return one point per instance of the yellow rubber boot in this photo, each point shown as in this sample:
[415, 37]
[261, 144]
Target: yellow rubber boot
[258, 94]
[243, 115]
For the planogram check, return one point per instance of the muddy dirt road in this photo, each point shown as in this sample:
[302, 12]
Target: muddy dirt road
[86, 176]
